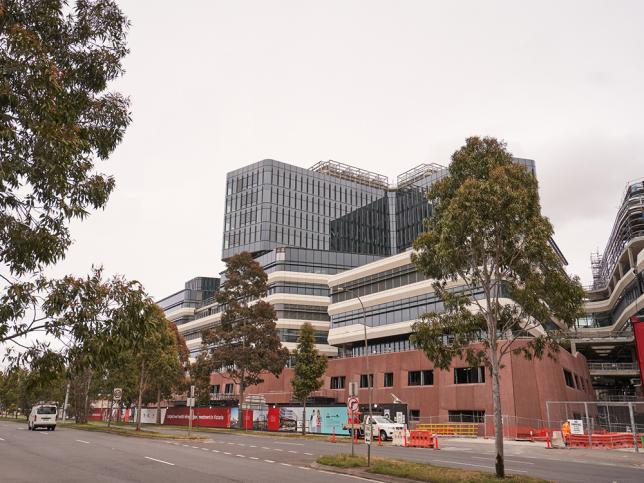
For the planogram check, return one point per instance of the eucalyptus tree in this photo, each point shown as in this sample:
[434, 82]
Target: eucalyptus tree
[487, 243]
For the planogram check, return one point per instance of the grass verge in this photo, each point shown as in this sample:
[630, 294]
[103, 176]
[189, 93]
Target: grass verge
[418, 471]
[144, 433]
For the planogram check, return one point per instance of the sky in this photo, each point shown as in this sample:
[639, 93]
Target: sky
[381, 85]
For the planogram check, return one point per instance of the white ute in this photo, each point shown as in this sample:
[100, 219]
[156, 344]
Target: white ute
[42, 416]
[383, 427]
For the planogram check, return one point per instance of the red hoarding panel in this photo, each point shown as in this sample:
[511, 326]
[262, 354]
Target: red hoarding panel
[204, 417]
[248, 418]
[638, 332]
[273, 419]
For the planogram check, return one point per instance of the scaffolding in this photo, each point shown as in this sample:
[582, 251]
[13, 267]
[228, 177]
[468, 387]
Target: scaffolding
[351, 173]
[418, 172]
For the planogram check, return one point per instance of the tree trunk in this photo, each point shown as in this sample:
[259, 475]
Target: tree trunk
[159, 405]
[241, 401]
[138, 410]
[304, 417]
[85, 411]
[109, 416]
[498, 418]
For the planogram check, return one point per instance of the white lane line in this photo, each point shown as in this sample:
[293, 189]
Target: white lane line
[231, 443]
[1, 439]
[226, 452]
[82, 441]
[269, 461]
[253, 457]
[265, 447]
[205, 449]
[195, 447]
[241, 444]
[215, 451]
[303, 468]
[240, 456]
[291, 451]
[159, 461]
[505, 459]
[185, 445]
[285, 464]
[310, 454]
[277, 449]
[252, 446]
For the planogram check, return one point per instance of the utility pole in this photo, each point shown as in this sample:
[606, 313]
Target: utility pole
[369, 384]
[65, 403]
[633, 427]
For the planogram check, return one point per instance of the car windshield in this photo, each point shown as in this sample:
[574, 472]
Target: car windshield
[47, 410]
[382, 420]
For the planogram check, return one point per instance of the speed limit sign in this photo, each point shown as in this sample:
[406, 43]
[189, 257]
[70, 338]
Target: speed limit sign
[118, 393]
[353, 404]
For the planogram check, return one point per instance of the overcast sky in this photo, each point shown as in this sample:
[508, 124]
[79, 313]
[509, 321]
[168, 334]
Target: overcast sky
[382, 85]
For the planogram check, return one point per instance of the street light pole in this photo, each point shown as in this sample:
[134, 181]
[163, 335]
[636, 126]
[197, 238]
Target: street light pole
[369, 384]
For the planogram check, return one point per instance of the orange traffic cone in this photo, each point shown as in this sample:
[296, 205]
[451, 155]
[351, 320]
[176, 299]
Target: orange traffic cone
[379, 442]
[548, 441]
[333, 435]
[436, 442]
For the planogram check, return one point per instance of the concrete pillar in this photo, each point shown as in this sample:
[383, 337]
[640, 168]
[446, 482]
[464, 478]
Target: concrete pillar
[573, 347]
[621, 270]
[631, 258]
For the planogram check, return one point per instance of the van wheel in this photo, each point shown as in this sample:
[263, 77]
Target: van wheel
[53, 428]
[383, 436]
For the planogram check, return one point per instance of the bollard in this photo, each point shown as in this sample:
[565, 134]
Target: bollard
[548, 441]
[333, 435]
[436, 442]
[405, 437]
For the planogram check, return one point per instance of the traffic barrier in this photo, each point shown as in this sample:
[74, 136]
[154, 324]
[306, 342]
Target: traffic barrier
[420, 439]
[400, 437]
[602, 440]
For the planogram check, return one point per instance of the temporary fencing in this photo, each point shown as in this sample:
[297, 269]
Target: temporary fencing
[420, 439]
[400, 437]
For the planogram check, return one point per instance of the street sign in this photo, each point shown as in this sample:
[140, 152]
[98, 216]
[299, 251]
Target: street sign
[117, 394]
[576, 426]
[190, 402]
[353, 404]
[192, 391]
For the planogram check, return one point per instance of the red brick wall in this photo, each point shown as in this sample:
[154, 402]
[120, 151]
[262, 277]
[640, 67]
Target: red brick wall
[525, 384]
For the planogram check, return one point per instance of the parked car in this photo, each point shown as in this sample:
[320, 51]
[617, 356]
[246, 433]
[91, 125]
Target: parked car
[42, 416]
[382, 426]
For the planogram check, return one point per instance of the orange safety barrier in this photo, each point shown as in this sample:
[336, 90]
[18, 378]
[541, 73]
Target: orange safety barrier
[420, 439]
[603, 440]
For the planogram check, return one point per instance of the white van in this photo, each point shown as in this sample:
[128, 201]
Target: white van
[42, 416]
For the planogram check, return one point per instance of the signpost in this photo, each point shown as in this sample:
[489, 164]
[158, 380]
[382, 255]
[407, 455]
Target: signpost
[117, 394]
[191, 404]
[353, 405]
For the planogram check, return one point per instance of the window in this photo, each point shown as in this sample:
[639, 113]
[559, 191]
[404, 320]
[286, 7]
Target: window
[468, 416]
[568, 377]
[469, 375]
[414, 414]
[214, 389]
[388, 379]
[413, 378]
[337, 382]
[577, 381]
[228, 389]
[363, 380]
[420, 378]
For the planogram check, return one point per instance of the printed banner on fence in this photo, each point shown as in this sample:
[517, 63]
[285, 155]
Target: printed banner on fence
[205, 417]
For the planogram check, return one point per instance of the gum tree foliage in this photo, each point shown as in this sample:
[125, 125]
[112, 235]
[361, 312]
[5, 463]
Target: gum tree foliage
[245, 343]
[309, 368]
[57, 119]
[487, 235]
[200, 371]
[98, 320]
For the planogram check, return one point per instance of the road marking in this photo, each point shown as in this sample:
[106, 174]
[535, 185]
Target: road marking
[505, 459]
[285, 464]
[187, 446]
[310, 454]
[215, 451]
[278, 449]
[269, 461]
[205, 449]
[226, 452]
[240, 456]
[159, 461]
[1, 439]
[253, 457]
[195, 447]
[304, 468]
[252, 446]
[81, 441]
[241, 444]
[264, 447]
[291, 451]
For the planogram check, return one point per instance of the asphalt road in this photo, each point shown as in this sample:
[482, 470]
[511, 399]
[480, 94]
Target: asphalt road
[73, 455]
